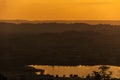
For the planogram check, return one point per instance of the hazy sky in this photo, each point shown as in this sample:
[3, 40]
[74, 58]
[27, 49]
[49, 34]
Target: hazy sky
[60, 9]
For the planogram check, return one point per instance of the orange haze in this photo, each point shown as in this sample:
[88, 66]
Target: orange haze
[60, 9]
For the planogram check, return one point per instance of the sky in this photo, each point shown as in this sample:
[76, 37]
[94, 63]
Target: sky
[60, 9]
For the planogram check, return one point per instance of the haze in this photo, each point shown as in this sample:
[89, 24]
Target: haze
[60, 10]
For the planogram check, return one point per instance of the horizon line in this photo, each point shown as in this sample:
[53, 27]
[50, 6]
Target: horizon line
[55, 20]
[91, 22]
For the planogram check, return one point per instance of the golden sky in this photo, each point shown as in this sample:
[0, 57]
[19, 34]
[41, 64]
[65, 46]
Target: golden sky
[60, 9]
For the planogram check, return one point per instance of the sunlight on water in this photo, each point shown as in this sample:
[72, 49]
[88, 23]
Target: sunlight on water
[79, 70]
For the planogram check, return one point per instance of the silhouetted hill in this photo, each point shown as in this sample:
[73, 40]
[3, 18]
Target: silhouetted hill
[112, 22]
[59, 44]
[28, 28]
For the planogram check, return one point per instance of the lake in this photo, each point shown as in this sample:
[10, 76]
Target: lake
[79, 70]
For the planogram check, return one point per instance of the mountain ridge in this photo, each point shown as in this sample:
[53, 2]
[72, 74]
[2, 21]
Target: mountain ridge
[112, 22]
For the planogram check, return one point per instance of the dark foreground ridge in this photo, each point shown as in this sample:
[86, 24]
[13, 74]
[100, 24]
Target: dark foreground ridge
[59, 44]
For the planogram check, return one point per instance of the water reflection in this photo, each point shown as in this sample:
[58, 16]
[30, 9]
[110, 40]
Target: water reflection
[79, 70]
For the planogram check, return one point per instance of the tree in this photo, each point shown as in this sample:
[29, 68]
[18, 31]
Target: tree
[102, 74]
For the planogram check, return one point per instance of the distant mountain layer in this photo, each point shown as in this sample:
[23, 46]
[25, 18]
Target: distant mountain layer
[59, 44]
[30, 28]
[112, 22]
